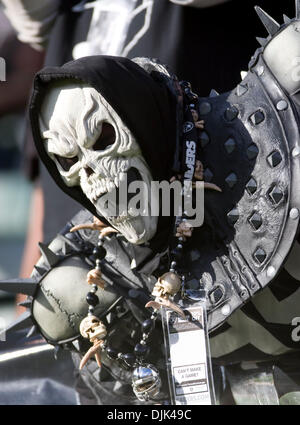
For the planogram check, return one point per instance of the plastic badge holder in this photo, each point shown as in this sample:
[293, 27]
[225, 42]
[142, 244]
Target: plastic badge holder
[187, 352]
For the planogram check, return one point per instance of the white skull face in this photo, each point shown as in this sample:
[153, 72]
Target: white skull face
[92, 148]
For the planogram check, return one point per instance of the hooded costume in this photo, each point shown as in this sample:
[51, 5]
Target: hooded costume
[250, 148]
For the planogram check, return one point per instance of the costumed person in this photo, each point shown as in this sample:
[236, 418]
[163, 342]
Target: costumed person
[131, 116]
[67, 30]
[169, 30]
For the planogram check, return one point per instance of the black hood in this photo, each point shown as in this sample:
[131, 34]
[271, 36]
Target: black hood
[142, 101]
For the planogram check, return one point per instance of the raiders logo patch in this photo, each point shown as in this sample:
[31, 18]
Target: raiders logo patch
[187, 127]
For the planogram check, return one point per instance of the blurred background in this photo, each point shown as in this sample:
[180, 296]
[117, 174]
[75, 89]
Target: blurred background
[15, 189]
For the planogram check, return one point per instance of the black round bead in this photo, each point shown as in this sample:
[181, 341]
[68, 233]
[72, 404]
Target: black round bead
[148, 326]
[112, 353]
[129, 358]
[141, 350]
[185, 84]
[99, 252]
[92, 299]
[192, 97]
[176, 254]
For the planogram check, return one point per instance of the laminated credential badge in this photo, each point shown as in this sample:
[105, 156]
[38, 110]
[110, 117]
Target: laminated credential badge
[188, 357]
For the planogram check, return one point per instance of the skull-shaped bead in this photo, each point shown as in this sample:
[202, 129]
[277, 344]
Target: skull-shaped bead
[92, 328]
[167, 285]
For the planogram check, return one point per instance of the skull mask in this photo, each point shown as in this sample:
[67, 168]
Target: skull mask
[92, 148]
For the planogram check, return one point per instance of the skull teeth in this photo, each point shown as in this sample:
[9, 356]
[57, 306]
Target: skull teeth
[95, 186]
[122, 219]
[100, 187]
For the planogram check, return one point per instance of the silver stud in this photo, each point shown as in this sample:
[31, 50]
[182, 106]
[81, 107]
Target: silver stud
[274, 159]
[276, 195]
[271, 272]
[260, 70]
[231, 113]
[260, 255]
[233, 216]
[256, 220]
[230, 145]
[242, 89]
[251, 186]
[214, 93]
[282, 105]
[257, 118]
[252, 152]
[226, 310]
[294, 213]
[296, 152]
[231, 180]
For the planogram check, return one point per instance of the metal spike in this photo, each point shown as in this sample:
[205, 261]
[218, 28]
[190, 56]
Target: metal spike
[27, 303]
[66, 248]
[286, 19]
[262, 41]
[22, 322]
[244, 74]
[297, 9]
[270, 24]
[57, 350]
[32, 331]
[41, 271]
[242, 89]
[76, 344]
[48, 255]
[214, 93]
[19, 286]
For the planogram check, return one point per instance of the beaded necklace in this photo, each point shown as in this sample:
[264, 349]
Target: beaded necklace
[146, 382]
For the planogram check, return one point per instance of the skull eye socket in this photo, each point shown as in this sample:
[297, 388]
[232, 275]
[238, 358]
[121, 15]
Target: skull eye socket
[66, 163]
[107, 137]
